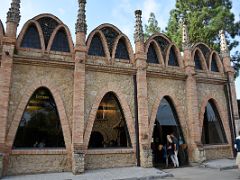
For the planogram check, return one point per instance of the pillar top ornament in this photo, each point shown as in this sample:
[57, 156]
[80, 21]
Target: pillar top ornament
[185, 35]
[81, 25]
[13, 14]
[138, 34]
[223, 43]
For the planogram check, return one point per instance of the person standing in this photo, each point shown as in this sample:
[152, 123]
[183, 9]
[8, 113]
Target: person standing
[172, 148]
[175, 148]
[237, 147]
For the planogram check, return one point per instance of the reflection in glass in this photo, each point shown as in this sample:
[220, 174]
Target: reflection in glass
[40, 124]
[109, 129]
[212, 132]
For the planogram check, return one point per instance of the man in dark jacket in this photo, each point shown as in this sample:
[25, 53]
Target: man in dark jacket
[237, 147]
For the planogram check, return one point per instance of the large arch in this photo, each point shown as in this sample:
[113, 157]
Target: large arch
[218, 61]
[157, 49]
[29, 90]
[112, 87]
[24, 30]
[202, 58]
[222, 113]
[178, 109]
[68, 34]
[204, 49]
[177, 53]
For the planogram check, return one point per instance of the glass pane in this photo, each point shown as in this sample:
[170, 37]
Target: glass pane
[60, 42]
[162, 42]
[96, 47]
[152, 55]
[31, 38]
[109, 129]
[110, 34]
[121, 52]
[40, 124]
[172, 58]
[214, 67]
[197, 61]
[213, 132]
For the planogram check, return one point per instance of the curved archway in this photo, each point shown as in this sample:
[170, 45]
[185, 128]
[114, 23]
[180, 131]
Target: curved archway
[40, 125]
[204, 48]
[215, 63]
[157, 50]
[112, 87]
[29, 89]
[212, 129]
[31, 38]
[201, 59]
[173, 57]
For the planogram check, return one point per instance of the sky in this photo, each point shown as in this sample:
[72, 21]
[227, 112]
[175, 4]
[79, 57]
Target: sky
[117, 12]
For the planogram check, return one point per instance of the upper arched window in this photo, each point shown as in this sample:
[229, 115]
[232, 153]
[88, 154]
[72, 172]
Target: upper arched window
[40, 125]
[197, 61]
[96, 47]
[173, 61]
[152, 55]
[212, 131]
[48, 25]
[110, 35]
[214, 66]
[162, 42]
[60, 42]
[109, 129]
[121, 51]
[31, 38]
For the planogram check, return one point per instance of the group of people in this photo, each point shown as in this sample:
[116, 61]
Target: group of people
[172, 149]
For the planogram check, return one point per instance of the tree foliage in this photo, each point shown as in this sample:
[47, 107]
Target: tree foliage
[152, 26]
[205, 18]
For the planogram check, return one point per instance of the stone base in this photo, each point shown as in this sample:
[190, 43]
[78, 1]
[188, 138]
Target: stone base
[146, 158]
[78, 163]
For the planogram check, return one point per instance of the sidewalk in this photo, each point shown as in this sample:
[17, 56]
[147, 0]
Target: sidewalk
[221, 164]
[128, 173]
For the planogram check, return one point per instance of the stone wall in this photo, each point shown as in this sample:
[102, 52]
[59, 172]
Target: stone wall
[109, 159]
[218, 152]
[25, 164]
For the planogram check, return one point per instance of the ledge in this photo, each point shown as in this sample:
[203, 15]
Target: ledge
[216, 146]
[110, 151]
[38, 151]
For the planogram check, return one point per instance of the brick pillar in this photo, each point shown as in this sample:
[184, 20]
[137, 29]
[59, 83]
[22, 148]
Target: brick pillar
[142, 98]
[78, 147]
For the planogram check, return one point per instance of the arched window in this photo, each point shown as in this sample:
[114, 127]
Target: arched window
[172, 58]
[197, 61]
[212, 131]
[40, 125]
[152, 55]
[96, 47]
[214, 66]
[31, 38]
[110, 35]
[121, 51]
[109, 129]
[60, 42]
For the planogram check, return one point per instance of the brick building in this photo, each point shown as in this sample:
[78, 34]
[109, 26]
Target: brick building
[98, 103]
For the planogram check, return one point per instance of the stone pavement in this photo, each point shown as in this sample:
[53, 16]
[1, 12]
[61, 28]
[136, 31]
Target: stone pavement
[221, 164]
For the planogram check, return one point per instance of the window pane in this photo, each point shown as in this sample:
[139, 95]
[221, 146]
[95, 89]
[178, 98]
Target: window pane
[111, 35]
[213, 132]
[60, 42]
[109, 129]
[172, 58]
[214, 67]
[121, 52]
[197, 61]
[31, 38]
[152, 55]
[40, 124]
[96, 47]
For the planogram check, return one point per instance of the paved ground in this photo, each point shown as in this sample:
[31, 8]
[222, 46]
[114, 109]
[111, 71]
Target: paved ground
[224, 169]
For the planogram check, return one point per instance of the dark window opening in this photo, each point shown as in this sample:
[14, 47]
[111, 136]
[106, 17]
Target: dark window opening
[40, 125]
[111, 123]
[197, 61]
[212, 131]
[48, 25]
[96, 47]
[152, 55]
[214, 66]
[173, 61]
[205, 50]
[162, 42]
[31, 38]
[60, 42]
[121, 51]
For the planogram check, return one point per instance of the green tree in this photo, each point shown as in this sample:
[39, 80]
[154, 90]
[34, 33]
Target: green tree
[152, 26]
[205, 18]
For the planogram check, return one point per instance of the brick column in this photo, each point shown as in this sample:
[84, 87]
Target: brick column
[142, 98]
[78, 147]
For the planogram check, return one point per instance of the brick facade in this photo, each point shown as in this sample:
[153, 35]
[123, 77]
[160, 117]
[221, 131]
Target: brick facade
[78, 82]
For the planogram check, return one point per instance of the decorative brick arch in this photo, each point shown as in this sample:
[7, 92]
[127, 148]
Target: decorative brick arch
[69, 37]
[99, 33]
[157, 49]
[179, 111]
[29, 90]
[158, 35]
[111, 87]
[109, 25]
[23, 32]
[219, 63]
[202, 58]
[48, 15]
[223, 115]
[128, 45]
[177, 52]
